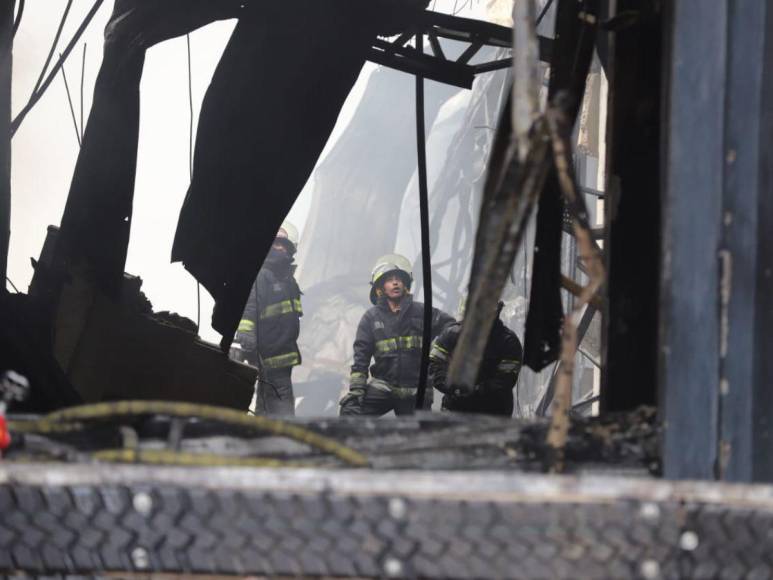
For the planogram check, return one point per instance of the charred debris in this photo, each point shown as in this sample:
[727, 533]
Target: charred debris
[680, 271]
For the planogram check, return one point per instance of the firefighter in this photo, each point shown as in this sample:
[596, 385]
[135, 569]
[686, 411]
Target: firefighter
[269, 328]
[390, 333]
[493, 392]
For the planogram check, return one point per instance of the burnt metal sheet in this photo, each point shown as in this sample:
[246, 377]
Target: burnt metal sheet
[746, 288]
[690, 332]
[272, 104]
[97, 217]
[119, 354]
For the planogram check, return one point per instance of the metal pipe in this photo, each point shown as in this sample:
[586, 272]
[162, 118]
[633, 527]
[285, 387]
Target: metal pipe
[426, 264]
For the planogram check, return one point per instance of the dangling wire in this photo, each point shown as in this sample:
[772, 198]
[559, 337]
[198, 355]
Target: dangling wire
[190, 107]
[83, 74]
[190, 161]
[544, 11]
[72, 109]
[7, 279]
[19, 13]
[50, 78]
[54, 43]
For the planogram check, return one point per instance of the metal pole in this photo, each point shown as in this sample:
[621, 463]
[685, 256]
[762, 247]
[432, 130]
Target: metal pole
[745, 409]
[6, 62]
[690, 334]
[426, 264]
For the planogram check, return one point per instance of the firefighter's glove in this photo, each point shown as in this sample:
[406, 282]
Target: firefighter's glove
[462, 391]
[353, 397]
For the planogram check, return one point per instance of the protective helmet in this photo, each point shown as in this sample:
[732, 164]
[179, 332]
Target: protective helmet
[387, 265]
[289, 232]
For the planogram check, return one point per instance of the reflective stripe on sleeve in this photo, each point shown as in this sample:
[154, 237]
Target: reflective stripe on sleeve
[246, 326]
[280, 361]
[438, 352]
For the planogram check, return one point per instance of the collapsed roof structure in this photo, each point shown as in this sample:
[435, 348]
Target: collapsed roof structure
[681, 269]
[227, 183]
[243, 182]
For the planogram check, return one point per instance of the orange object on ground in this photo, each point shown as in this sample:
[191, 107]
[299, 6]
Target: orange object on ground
[5, 436]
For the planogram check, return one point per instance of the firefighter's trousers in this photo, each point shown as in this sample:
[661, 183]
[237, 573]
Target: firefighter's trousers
[275, 393]
[380, 397]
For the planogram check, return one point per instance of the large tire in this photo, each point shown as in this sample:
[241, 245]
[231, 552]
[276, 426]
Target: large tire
[97, 519]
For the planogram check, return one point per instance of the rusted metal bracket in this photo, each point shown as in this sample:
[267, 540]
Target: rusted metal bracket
[397, 53]
[568, 228]
[560, 126]
[575, 289]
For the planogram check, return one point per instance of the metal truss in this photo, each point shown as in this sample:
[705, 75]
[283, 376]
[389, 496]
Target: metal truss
[397, 52]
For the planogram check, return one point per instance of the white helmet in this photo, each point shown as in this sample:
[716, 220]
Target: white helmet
[386, 265]
[289, 232]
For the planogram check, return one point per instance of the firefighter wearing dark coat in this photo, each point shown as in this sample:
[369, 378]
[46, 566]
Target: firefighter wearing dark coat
[269, 329]
[390, 333]
[493, 392]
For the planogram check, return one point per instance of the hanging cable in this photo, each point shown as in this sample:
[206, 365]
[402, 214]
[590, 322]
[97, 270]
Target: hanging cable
[543, 12]
[72, 419]
[54, 44]
[426, 265]
[83, 74]
[455, 11]
[72, 109]
[49, 79]
[7, 279]
[190, 107]
[181, 458]
[19, 13]
[190, 161]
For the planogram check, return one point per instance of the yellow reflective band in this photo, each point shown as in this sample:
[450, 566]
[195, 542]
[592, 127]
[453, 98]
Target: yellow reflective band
[399, 343]
[438, 352]
[246, 326]
[357, 378]
[408, 342]
[290, 359]
[387, 345]
[283, 307]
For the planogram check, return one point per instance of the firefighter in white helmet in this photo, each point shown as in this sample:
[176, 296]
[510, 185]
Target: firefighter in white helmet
[269, 328]
[390, 333]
